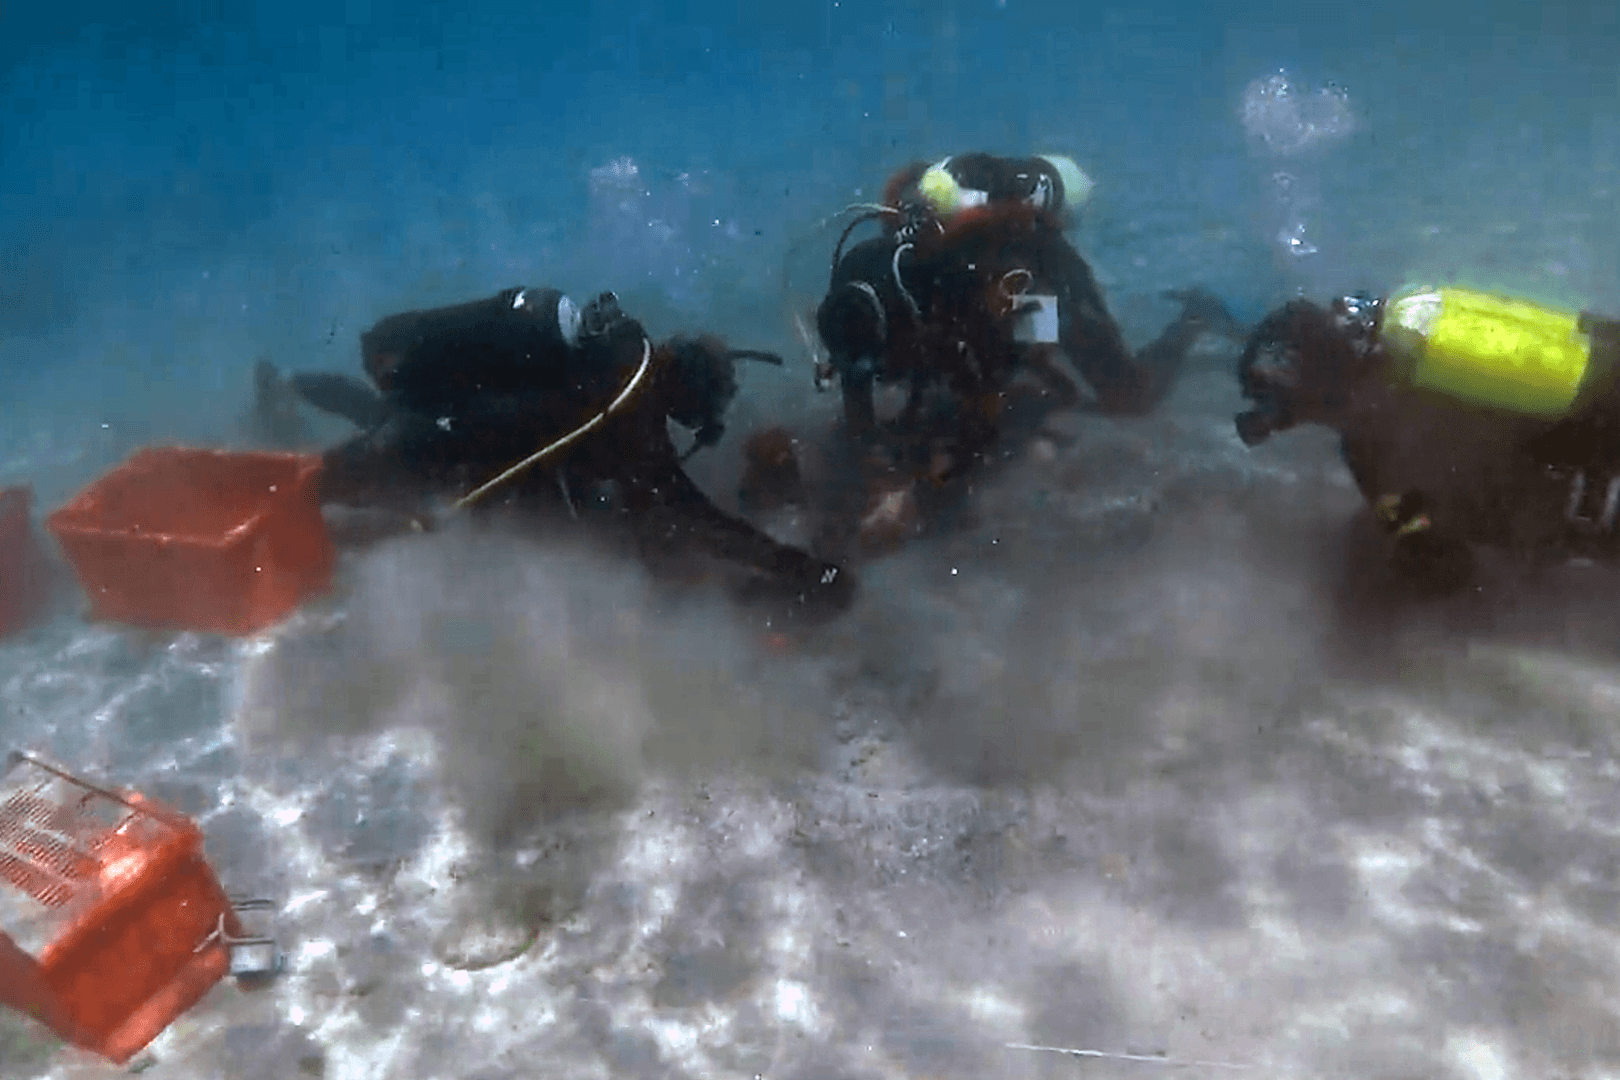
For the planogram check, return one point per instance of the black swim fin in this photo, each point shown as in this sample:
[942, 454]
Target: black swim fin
[341, 395]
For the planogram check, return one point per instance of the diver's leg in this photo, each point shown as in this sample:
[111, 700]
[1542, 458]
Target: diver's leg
[1602, 382]
[1589, 436]
[390, 468]
[341, 395]
[1161, 360]
[1605, 333]
[916, 389]
[1427, 558]
[274, 416]
[371, 494]
[1132, 385]
[359, 472]
[978, 429]
[1432, 563]
[978, 403]
[1029, 406]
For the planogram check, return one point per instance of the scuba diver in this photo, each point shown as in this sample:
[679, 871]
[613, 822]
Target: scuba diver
[526, 403]
[973, 280]
[1466, 418]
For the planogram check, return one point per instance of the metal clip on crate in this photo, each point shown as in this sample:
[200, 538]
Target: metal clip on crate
[254, 958]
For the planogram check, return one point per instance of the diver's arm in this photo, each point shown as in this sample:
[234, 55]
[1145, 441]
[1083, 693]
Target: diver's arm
[1125, 383]
[860, 409]
[855, 321]
[341, 395]
[669, 508]
[1096, 347]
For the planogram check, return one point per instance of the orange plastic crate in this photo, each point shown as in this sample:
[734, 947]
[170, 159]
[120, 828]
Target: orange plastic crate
[110, 916]
[24, 573]
[206, 540]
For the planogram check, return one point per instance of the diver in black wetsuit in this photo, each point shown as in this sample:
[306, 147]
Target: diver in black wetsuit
[1465, 417]
[973, 279]
[526, 402]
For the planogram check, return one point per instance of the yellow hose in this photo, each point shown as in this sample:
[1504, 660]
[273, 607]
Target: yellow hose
[573, 436]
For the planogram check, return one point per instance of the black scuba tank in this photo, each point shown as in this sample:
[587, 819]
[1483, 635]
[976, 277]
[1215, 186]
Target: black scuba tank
[433, 360]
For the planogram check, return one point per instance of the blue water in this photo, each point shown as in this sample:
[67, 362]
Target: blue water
[184, 190]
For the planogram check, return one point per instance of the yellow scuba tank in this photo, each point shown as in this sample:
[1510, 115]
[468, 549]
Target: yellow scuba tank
[1487, 349]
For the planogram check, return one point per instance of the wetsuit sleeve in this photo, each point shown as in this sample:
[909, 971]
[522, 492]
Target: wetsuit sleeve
[673, 515]
[1123, 382]
[855, 321]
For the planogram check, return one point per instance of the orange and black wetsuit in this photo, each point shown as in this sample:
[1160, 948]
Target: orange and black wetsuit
[955, 297]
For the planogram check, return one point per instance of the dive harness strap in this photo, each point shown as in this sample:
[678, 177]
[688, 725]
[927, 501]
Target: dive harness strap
[567, 440]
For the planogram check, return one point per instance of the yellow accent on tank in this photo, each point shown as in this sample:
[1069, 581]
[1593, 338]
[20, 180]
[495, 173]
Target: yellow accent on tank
[1487, 349]
[940, 188]
[1076, 184]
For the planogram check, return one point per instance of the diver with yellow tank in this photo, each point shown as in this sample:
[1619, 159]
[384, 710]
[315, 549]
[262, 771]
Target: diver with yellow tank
[1466, 418]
